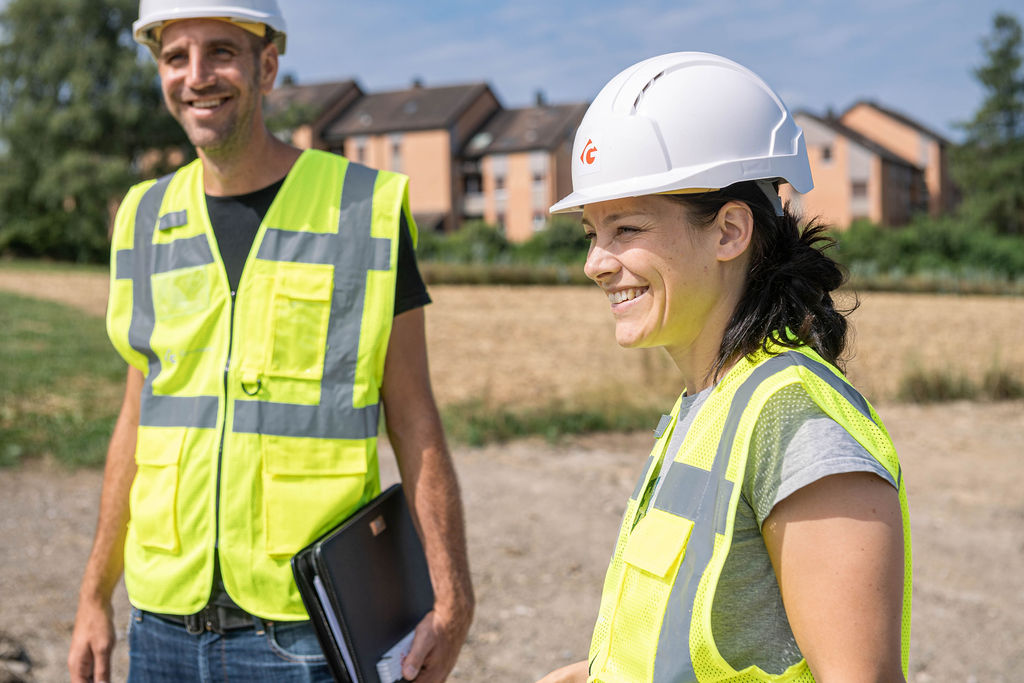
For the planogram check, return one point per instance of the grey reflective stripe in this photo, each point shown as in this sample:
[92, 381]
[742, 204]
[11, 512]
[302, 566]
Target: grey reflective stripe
[174, 219]
[638, 491]
[826, 375]
[682, 493]
[144, 259]
[143, 321]
[663, 424]
[708, 502]
[352, 251]
[182, 253]
[179, 411]
[296, 247]
[123, 268]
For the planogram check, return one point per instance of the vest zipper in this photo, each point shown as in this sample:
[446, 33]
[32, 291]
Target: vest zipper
[223, 433]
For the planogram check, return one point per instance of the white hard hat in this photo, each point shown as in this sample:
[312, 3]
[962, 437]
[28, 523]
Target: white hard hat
[686, 120]
[153, 14]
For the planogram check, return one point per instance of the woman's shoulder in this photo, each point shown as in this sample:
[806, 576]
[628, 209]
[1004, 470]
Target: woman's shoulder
[795, 443]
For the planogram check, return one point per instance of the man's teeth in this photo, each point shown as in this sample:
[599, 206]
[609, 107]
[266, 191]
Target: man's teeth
[207, 104]
[625, 294]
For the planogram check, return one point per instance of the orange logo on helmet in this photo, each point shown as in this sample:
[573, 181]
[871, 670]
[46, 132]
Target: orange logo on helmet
[589, 154]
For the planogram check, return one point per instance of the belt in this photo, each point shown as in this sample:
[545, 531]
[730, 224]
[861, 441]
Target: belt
[212, 618]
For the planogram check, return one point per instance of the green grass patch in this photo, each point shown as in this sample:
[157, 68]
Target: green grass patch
[476, 423]
[60, 383]
[935, 386]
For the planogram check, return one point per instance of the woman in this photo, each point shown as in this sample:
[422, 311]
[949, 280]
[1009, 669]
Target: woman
[768, 537]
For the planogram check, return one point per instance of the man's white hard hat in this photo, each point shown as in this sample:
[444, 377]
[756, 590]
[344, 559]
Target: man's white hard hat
[154, 14]
[684, 121]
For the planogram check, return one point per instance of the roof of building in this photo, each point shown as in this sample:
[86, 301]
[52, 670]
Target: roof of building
[859, 139]
[518, 130]
[902, 118]
[416, 108]
[311, 100]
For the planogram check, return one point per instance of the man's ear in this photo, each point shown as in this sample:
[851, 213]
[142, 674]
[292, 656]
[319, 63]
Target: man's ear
[735, 223]
[268, 68]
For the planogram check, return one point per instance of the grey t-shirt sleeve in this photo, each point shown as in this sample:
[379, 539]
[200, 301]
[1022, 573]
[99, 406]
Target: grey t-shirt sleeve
[795, 444]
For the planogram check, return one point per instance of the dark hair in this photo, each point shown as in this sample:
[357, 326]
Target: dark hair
[788, 284]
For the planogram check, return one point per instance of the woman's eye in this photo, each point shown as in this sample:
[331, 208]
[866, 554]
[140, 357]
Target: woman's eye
[589, 236]
[626, 230]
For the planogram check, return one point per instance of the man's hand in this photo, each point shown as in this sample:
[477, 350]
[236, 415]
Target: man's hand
[435, 647]
[91, 643]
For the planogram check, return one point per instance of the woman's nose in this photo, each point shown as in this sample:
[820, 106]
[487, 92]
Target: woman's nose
[600, 263]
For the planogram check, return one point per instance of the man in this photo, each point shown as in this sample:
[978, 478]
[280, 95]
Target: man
[267, 302]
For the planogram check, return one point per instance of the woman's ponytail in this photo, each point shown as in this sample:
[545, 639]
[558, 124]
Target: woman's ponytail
[789, 284]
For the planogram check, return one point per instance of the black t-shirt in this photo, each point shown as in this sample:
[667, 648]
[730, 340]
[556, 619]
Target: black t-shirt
[236, 220]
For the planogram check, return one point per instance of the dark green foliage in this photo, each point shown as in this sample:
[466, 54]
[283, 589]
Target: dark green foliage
[477, 424]
[59, 382]
[79, 104]
[935, 386]
[948, 245]
[560, 243]
[989, 165]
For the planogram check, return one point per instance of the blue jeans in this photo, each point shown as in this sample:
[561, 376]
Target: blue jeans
[283, 652]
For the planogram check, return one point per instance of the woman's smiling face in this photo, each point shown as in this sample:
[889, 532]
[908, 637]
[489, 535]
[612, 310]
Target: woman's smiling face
[665, 278]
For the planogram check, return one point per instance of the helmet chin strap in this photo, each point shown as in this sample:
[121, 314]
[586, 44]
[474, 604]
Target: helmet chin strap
[768, 187]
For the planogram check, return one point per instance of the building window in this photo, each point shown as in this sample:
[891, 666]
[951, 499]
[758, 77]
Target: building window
[540, 220]
[396, 153]
[826, 153]
[499, 182]
[539, 164]
[360, 143]
[859, 189]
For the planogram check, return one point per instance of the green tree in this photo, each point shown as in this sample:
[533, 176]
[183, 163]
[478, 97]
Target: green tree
[79, 107]
[989, 165]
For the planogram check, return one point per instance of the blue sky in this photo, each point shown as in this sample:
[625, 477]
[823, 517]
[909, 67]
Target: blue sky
[915, 56]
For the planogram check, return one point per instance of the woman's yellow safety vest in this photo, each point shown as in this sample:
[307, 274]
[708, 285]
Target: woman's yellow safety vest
[654, 623]
[259, 413]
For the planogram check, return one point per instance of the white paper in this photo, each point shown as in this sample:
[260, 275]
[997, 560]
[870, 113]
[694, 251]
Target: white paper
[339, 638]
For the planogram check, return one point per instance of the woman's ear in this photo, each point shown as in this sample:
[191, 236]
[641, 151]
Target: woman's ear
[735, 223]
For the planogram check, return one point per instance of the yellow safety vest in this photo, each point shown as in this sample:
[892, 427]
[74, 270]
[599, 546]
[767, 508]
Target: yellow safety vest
[273, 392]
[654, 623]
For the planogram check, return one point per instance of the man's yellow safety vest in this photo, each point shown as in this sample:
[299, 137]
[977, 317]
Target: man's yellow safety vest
[654, 623]
[259, 413]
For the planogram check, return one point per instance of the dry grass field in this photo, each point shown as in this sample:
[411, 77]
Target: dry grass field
[541, 517]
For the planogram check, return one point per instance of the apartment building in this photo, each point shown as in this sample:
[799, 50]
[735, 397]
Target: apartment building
[855, 177]
[300, 113]
[518, 165]
[420, 132]
[470, 158]
[912, 142]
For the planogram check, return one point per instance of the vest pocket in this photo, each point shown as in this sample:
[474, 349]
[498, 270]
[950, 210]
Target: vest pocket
[154, 493]
[657, 543]
[300, 314]
[184, 291]
[651, 559]
[309, 485]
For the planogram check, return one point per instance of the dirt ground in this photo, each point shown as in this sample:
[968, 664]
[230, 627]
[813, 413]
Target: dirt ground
[542, 517]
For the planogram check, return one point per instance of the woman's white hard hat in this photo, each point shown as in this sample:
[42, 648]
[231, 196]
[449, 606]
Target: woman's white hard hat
[153, 14]
[684, 121]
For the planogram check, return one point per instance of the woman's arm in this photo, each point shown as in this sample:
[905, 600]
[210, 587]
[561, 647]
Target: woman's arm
[837, 549]
[574, 673]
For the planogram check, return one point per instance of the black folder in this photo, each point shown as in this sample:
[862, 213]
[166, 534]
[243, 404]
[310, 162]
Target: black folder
[366, 586]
